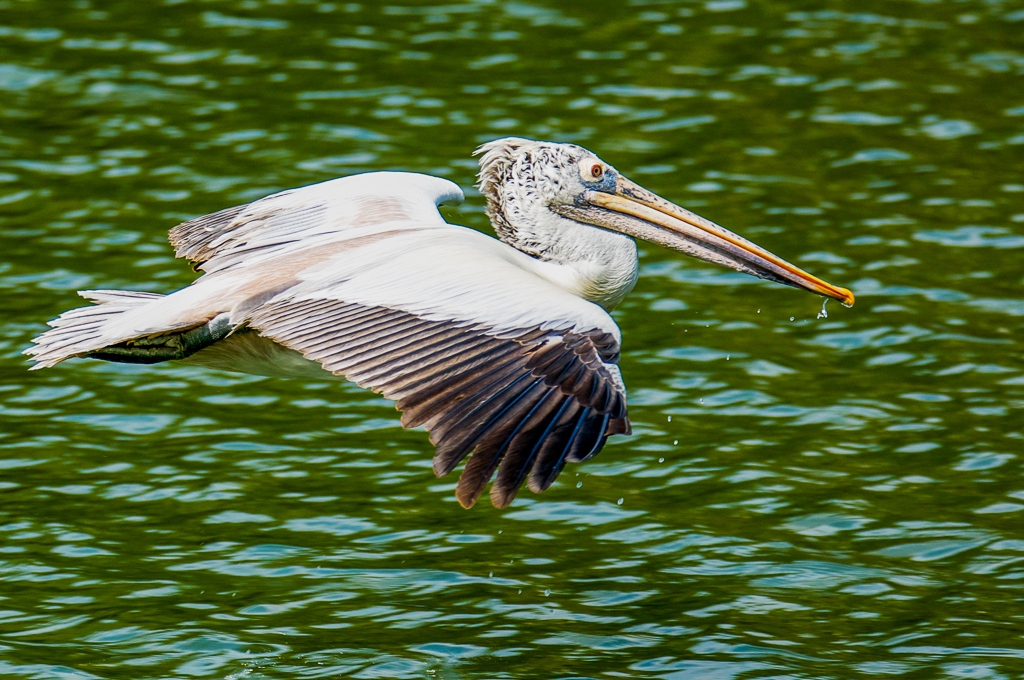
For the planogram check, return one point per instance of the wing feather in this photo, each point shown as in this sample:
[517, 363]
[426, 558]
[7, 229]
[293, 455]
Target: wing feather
[551, 457]
[297, 218]
[524, 446]
[499, 432]
[520, 403]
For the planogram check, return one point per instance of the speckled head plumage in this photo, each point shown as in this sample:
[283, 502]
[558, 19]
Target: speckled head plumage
[522, 179]
[509, 169]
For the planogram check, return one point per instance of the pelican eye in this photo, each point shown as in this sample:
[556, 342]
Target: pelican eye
[592, 169]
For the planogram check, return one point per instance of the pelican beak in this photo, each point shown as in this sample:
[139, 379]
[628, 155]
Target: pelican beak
[635, 211]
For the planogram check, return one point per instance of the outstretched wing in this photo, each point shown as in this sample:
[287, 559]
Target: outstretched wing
[472, 345]
[524, 402]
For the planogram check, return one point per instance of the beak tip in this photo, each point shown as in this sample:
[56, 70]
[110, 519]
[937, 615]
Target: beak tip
[845, 297]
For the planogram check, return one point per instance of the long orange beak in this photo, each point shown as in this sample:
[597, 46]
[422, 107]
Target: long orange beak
[665, 223]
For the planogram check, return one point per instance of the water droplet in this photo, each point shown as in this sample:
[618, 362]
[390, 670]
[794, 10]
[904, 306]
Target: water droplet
[759, 311]
[620, 501]
[661, 460]
[547, 592]
[490, 574]
[670, 419]
[675, 442]
[701, 400]
[520, 591]
[579, 484]
[792, 318]
[823, 314]
[726, 357]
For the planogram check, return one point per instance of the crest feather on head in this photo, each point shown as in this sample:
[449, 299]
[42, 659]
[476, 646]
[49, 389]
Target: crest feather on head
[496, 161]
[509, 166]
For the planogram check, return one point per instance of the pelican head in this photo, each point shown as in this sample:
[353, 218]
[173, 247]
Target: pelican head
[561, 202]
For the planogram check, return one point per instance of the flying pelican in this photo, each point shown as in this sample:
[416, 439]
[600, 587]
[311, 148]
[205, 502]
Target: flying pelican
[503, 348]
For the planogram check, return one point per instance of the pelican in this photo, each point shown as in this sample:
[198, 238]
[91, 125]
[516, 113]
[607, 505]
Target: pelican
[500, 348]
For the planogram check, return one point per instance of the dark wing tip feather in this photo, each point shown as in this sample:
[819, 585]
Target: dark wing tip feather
[554, 452]
[491, 450]
[619, 426]
[525, 447]
[521, 407]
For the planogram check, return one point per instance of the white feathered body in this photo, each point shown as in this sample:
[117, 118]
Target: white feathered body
[493, 350]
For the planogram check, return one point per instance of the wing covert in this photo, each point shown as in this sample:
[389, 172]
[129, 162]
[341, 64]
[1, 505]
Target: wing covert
[295, 219]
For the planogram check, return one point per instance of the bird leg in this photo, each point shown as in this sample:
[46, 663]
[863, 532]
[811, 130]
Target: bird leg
[167, 347]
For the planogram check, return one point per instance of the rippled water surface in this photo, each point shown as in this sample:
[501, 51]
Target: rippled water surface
[803, 497]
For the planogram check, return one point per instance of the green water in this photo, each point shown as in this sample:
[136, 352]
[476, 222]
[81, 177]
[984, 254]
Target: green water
[802, 497]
